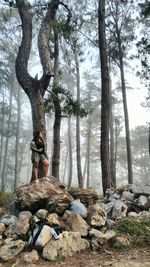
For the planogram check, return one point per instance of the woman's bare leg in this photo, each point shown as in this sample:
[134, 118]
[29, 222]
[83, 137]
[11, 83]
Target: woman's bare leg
[35, 170]
[45, 167]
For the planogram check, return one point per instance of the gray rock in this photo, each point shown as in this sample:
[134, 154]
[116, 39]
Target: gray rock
[142, 200]
[21, 226]
[9, 251]
[110, 223]
[96, 216]
[109, 206]
[144, 216]
[8, 219]
[126, 195]
[110, 192]
[79, 208]
[41, 214]
[132, 214]
[65, 247]
[101, 237]
[12, 208]
[119, 210]
[114, 196]
[140, 189]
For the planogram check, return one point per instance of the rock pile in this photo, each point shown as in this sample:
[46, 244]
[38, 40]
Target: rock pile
[85, 221]
[47, 201]
[129, 201]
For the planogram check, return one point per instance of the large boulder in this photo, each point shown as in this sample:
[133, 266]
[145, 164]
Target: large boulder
[86, 196]
[67, 246]
[34, 196]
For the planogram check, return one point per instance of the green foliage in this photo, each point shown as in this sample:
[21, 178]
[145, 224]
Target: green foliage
[69, 105]
[134, 228]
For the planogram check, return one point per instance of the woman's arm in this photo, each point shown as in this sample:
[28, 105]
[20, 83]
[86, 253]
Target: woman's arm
[33, 147]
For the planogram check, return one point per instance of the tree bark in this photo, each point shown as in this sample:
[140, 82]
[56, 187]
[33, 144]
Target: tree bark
[2, 134]
[17, 174]
[57, 107]
[6, 144]
[112, 152]
[70, 153]
[34, 88]
[65, 164]
[127, 129]
[79, 171]
[88, 150]
[105, 99]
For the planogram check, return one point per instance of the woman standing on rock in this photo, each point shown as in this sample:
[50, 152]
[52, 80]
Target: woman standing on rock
[39, 156]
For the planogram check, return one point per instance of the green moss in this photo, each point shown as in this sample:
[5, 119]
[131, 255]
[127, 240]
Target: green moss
[134, 228]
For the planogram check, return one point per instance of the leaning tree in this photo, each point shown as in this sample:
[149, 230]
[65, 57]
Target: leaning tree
[35, 88]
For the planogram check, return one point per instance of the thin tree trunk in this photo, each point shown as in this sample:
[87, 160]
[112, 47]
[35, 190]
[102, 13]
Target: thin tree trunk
[112, 155]
[65, 163]
[105, 99]
[85, 168]
[70, 153]
[79, 171]
[17, 174]
[6, 144]
[57, 121]
[2, 133]
[128, 140]
[88, 150]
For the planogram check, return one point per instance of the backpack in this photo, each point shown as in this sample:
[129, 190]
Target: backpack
[36, 239]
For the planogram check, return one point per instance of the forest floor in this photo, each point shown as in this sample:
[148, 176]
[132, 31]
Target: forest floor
[133, 257]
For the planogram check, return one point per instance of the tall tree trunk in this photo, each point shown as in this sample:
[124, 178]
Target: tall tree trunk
[105, 99]
[78, 151]
[17, 174]
[6, 144]
[88, 150]
[70, 153]
[2, 133]
[85, 168]
[57, 121]
[128, 140]
[65, 163]
[112, 153]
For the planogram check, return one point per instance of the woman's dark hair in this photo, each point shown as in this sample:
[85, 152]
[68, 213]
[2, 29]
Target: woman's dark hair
[36, 135]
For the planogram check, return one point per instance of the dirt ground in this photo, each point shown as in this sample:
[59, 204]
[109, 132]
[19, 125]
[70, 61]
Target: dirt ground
[137, 257]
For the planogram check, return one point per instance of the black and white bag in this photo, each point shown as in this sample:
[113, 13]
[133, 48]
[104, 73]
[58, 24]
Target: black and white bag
[40, 235]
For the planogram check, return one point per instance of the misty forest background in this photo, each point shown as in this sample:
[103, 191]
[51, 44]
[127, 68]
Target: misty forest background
[78, 91]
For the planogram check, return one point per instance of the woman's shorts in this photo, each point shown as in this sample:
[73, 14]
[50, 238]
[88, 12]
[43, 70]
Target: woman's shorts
[37, 157]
